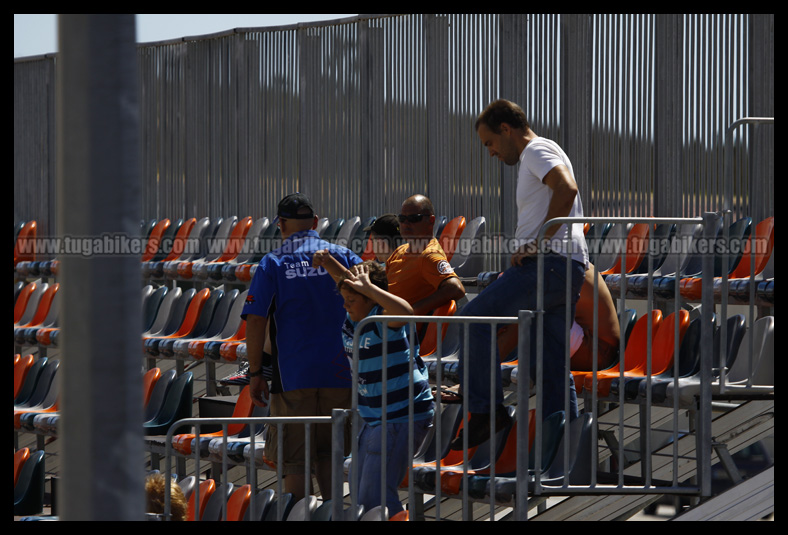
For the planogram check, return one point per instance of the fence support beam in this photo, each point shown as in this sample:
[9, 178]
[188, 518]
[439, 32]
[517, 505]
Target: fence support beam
[98, 192]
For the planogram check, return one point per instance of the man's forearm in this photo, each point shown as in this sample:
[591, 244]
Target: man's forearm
[450, 289]
[255, 340]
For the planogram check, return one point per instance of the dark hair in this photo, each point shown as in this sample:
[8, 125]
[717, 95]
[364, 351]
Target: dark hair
[502, 111]
[377, 276]
[386, 227]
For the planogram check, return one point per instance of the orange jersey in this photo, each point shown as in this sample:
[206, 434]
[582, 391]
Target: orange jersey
[415, 276]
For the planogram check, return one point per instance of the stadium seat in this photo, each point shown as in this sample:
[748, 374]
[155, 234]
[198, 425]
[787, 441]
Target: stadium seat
[223, 321]
[689, 363]
[24, 244]
[468, 259]
[31, 380]
[552, 431]
[27, 302]
[29, 485]
[171, 312]
[215, 233]
[429, 345]
[283, 501]
[609, 248]
[214, 509]
[44, 382]
[197, 240]
[233, 246]
[332, 230]
[634, 351]
[158, 395]
[636, 250]
[505, 457]
[739, 231]
[154, 269]
[45, 397]
[203, 493]
[424, 471]
[440, 222]
[225, 349]
[595, 237]
[323, 512]
[755, 373]
[20, 457]
[22, 366]
[322, 224]
[739, 281]
[450, 236]
[662, 351]
[42, 310]
[149, 380]
[662, 356]
[660, 240]
[150, 307]
[251, 253]
[239, 503]
[262, 502]
[155, 239]
[244, 407]
[213, 316]
[348, 231]
[578, 472]
[304, 507]
[177, 405]
[689, 387]
[192, 316]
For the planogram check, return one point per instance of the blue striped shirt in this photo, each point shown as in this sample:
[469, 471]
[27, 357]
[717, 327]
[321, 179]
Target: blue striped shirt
[370, 373]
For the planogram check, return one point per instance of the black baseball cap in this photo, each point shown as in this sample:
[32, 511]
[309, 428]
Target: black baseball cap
[385, 225]
[290, 206]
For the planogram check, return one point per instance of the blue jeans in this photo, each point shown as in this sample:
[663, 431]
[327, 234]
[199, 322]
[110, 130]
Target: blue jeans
[397, 461]
[516, 290]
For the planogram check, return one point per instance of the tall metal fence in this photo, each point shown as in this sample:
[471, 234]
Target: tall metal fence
[362, 112]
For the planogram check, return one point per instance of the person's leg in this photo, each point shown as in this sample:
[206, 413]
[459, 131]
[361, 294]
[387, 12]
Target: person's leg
[556, 377]
[506, 296]
[286, 404]
[397, 462]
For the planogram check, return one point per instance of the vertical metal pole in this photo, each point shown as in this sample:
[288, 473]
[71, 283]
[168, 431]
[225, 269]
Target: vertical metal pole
[98, 192]
[523, 425]
[704, 438]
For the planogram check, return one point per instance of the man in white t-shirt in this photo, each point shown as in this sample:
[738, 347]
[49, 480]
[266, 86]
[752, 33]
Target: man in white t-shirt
[546, 189]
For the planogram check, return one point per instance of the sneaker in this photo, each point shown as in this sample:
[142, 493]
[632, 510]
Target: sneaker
[479, 428]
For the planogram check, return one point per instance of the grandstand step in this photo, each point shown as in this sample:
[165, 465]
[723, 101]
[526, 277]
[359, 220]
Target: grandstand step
[737, 428]
[752, 499]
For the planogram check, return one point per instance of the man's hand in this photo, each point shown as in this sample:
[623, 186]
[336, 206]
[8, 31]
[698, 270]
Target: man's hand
[358, 278]
[258, 391]
[527, 250]
[320, 257]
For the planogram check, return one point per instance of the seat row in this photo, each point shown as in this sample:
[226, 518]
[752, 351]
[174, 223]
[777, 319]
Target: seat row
[208, 500]
[744, 371]
[677, 255]
[167, 397]
[229, 249]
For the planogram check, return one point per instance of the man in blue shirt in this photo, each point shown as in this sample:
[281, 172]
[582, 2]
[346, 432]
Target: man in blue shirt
[299, 308]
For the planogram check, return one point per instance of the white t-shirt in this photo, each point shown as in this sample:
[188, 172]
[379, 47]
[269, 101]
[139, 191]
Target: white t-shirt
[533, 198]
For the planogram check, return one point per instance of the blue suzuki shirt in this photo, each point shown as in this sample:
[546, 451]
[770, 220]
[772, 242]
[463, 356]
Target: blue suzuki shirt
[305, 314]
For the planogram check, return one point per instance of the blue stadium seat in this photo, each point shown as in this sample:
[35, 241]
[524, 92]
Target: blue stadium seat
[177, 406]
[29, 487]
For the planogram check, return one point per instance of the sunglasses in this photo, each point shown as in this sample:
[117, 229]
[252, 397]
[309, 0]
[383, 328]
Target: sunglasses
[412, 218]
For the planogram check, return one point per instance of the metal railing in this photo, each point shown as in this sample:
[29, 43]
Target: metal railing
[622, 423]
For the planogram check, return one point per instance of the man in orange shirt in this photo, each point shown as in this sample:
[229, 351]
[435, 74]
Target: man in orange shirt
[418, 270]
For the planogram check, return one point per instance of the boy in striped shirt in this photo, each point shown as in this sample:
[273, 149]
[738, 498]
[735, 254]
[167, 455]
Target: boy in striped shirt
[364, 291]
